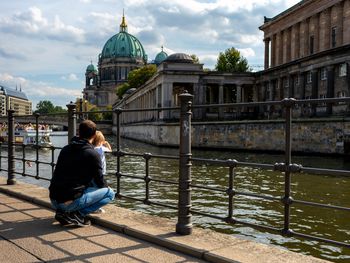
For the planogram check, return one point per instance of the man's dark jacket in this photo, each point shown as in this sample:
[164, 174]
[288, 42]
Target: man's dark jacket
[77, 165]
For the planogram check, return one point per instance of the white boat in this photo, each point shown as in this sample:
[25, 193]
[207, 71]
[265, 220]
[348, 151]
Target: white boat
[28, 137]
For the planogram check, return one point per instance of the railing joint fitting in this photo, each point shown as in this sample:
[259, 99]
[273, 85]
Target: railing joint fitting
[118, 110]
[146, 202]
[147, 156]
[295, 168]
[147, 179]
[288, 102]
[232, 163]
[230, 220]
[231, 192]
[279, 167]
[287, 232]
[118, 174]
[118, 153]
[287, 200]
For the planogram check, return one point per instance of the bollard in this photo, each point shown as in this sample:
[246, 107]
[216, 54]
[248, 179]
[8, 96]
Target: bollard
[11, 147]
[72, 121]
[184, 223]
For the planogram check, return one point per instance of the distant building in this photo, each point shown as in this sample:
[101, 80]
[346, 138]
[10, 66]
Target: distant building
[121, 54]
[307, 56]
[14, 99]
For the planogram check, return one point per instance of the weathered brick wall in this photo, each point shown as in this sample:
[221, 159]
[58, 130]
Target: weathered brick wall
[311, 136]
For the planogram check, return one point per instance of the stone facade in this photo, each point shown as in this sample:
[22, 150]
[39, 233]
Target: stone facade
[308, 136]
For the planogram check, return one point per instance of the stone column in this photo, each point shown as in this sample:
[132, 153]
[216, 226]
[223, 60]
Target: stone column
[286, 45]
[295, 41]
[314, 90]
[238, 93]
[325, 29]
[221, 100]
[291, 86]
[337, 22]
[304, 38]
[273, 50]
[346, 22]
[267, 53]
[330, 87]
[280, 48]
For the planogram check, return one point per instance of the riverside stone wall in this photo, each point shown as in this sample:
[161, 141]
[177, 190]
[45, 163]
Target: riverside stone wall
[325, 136]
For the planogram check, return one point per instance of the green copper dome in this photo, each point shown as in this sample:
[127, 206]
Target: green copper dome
[91, 68]
[123, 44]
[161, 56]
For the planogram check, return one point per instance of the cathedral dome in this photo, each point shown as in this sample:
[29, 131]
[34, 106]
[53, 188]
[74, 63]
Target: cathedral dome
[179, 58]
[161, 56]
[123, 44]
[91, 68]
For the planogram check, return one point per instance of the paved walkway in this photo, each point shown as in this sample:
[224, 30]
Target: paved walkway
[29, 233]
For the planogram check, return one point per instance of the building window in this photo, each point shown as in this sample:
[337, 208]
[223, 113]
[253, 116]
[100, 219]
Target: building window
[323, 74]
[286, 82]
[342, 70]
[334, 36]
[341, 94]
[122, 73]
[297, 81]
[311, 45]
[309, 77]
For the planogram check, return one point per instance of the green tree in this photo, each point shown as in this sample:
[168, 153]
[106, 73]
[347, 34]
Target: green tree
[121, 89]
[138, 77]
[44, 107]
[232, 61]
[195, 59]
[95, 116]
[59, 109]
[107, 115]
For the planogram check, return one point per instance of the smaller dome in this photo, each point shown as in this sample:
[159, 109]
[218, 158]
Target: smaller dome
[161, 56]
[179, 58]
[91, 68]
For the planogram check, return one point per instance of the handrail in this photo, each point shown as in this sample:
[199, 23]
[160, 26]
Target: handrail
[186, 160]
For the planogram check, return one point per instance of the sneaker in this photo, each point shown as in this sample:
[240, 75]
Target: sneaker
[99, 211]
[61, 217]
[78, 219]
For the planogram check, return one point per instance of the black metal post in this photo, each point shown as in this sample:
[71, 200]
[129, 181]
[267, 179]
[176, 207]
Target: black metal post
[184, 223]
[72, 120]
[287, 199]
[11, 147]
[118, 174]
[37, 145]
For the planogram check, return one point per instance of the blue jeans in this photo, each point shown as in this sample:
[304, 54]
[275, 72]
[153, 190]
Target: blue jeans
[92, 199]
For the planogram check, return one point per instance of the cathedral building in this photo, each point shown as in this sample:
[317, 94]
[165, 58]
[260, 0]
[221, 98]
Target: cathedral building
[121, 54]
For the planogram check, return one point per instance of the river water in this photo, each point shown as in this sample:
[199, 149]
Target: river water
[323, 222]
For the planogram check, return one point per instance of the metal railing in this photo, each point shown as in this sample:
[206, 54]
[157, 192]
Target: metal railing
[185, 185]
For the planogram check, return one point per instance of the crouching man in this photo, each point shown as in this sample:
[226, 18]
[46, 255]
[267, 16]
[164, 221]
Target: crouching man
[77, 187]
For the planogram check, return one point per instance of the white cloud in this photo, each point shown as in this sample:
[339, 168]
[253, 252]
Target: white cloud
[247, 52]
[70, 77]
[39, 90]
[32, 23]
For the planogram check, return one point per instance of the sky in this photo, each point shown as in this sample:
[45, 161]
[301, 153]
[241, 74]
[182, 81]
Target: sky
[45, 46]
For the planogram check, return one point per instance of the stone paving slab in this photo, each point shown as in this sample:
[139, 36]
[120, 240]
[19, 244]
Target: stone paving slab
[106, 245]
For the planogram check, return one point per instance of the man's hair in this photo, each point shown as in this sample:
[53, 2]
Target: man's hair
[87, 129]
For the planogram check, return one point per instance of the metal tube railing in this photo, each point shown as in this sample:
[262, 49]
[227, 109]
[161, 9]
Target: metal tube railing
[185, 185]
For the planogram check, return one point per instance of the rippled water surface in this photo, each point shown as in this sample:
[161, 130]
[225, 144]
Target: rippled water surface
[323, 222]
